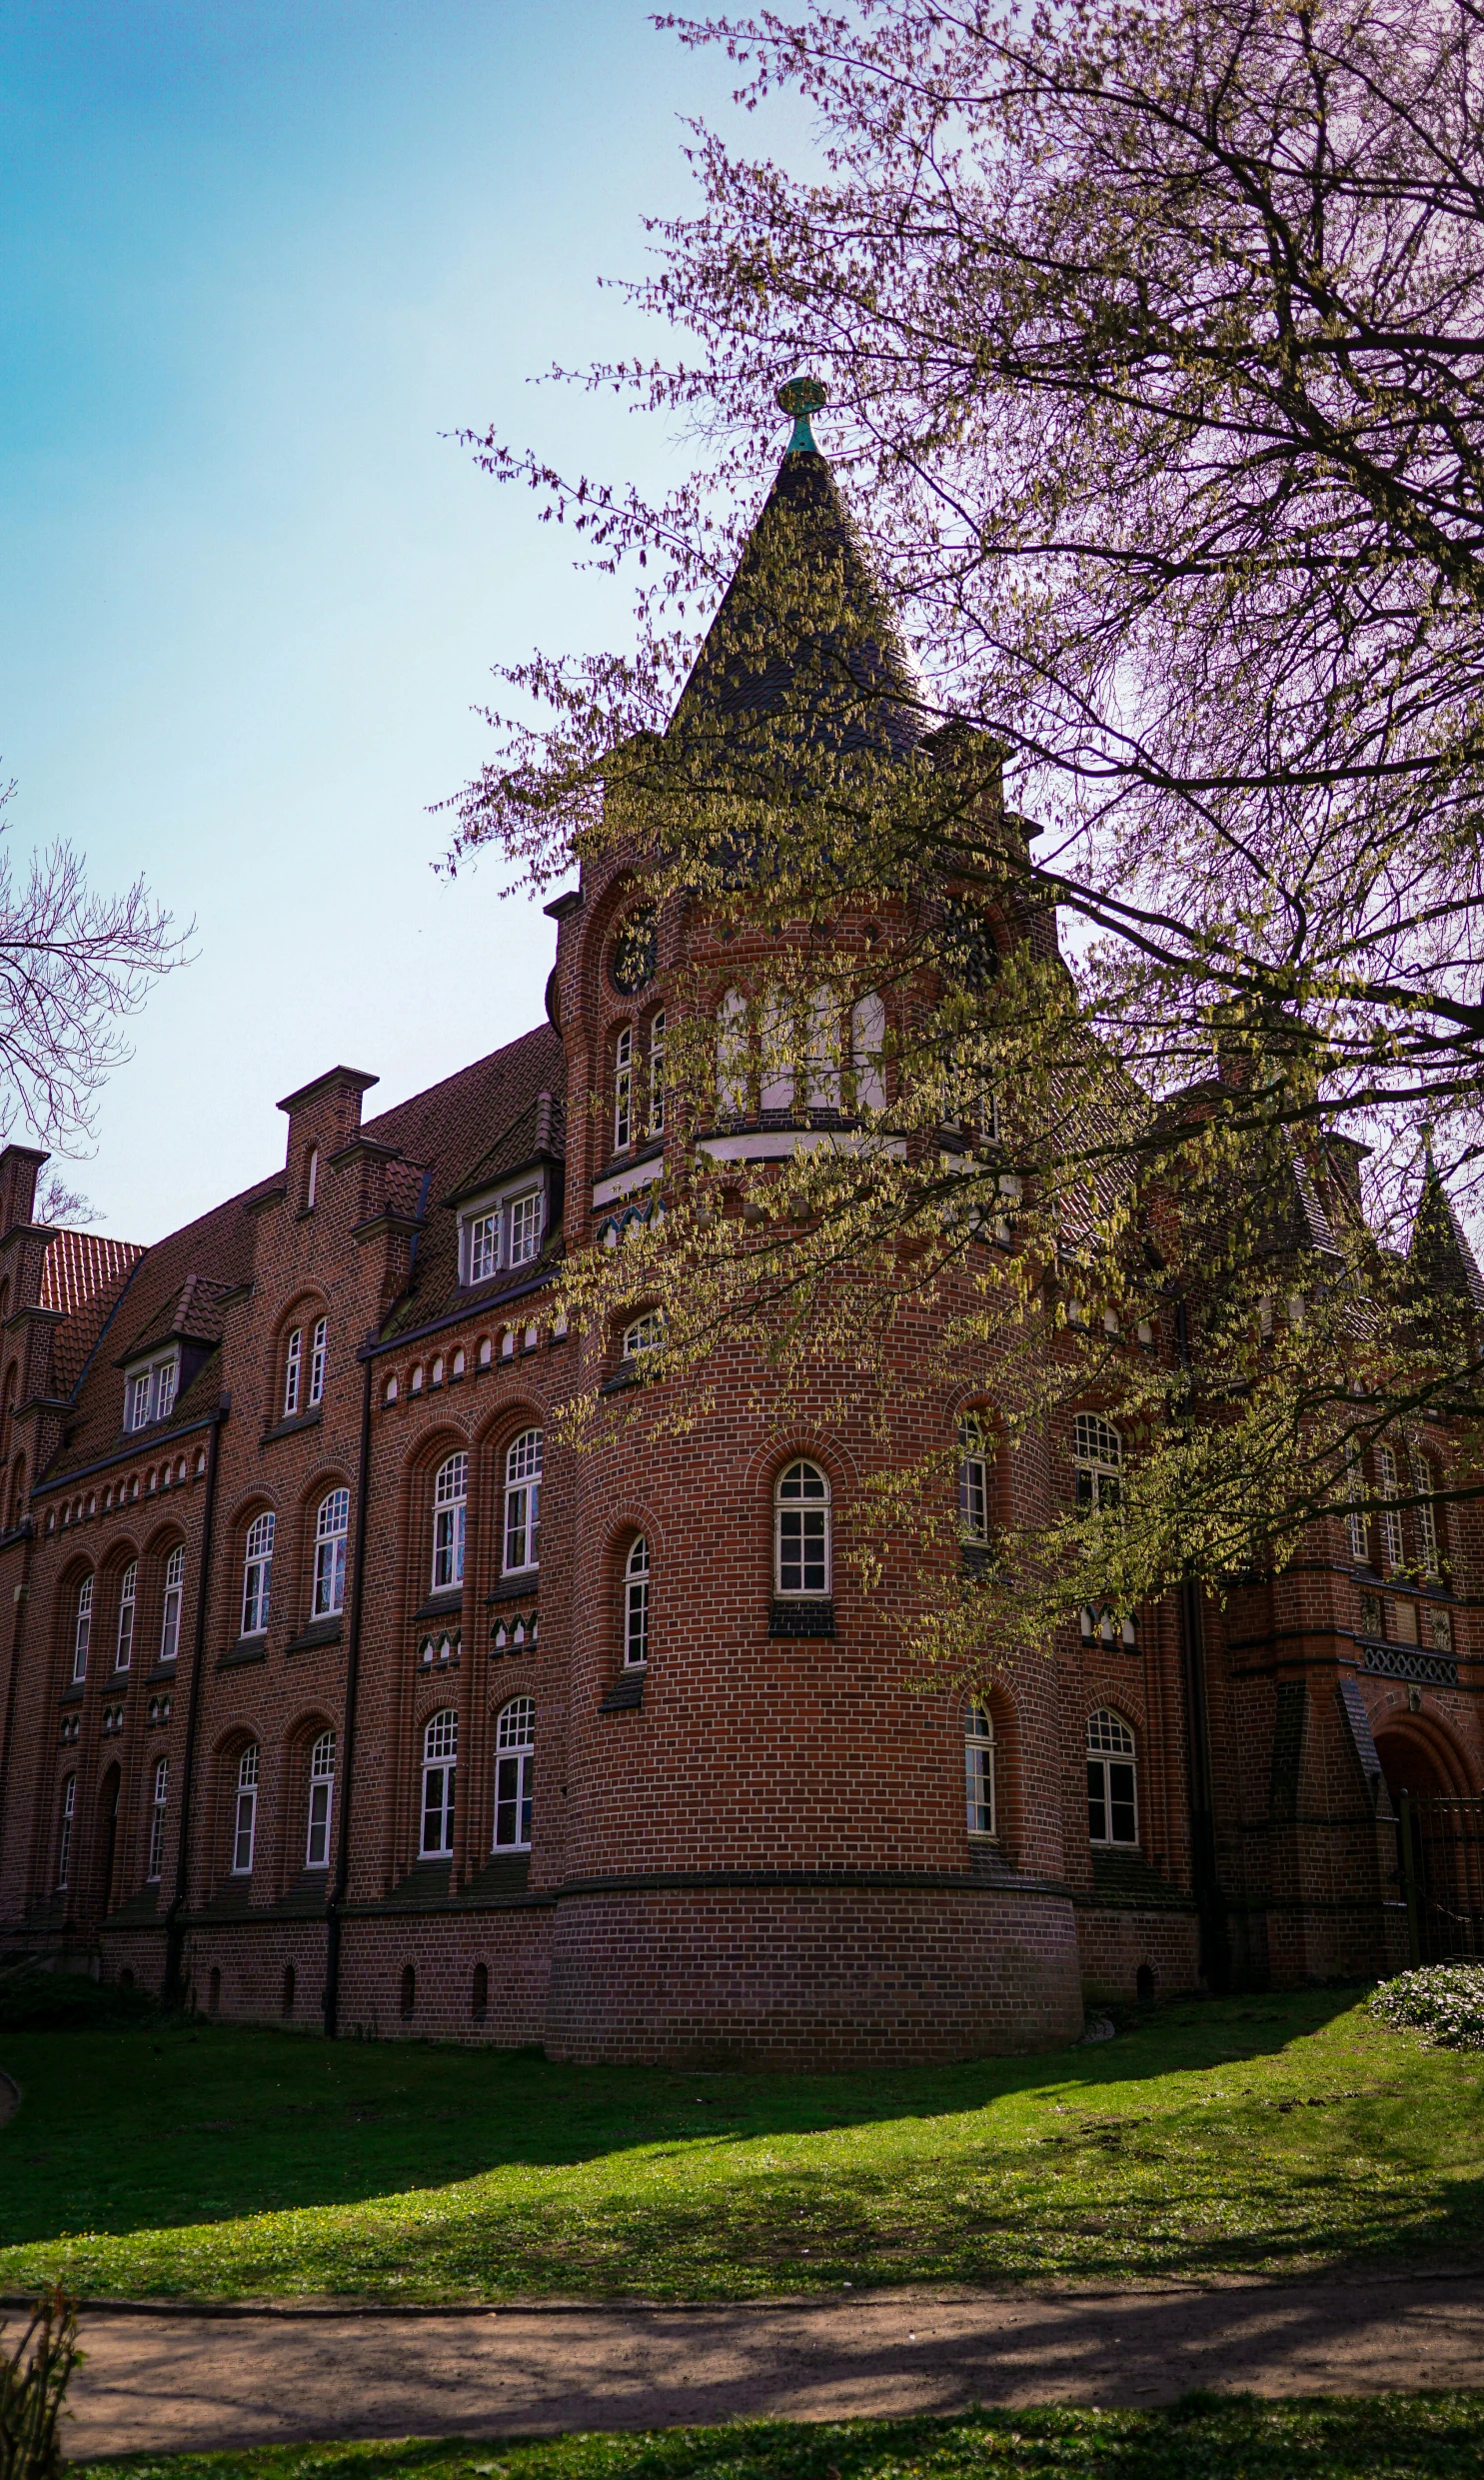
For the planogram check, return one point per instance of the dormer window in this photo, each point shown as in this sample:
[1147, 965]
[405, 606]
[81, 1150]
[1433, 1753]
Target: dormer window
[498, 1234]
[149, 1393]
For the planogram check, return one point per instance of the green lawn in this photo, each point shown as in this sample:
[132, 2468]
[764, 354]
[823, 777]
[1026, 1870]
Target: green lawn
[1237, 2136]
[1203, 2438]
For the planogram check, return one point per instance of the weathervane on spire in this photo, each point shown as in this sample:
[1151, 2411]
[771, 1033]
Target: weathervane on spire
[801, 397]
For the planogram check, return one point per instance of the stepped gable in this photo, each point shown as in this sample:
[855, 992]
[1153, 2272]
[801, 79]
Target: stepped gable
[83, 1275]
[467, 1132]
[804, 636]
[1439, 1255]
[173, 1289]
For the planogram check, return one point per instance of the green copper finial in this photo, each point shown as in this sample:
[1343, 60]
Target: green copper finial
[801, 397]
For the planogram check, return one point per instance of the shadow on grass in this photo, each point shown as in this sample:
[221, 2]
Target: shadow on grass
[130, 2131]
[1226, 2437]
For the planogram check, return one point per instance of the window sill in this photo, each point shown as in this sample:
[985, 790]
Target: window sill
[73, 1695]
[291, 1427]
[440, 1606]
[520, 1585]
[162, 1675]
[976, 1557]
[246, 1650]
[812, 1617]
[319, 1631]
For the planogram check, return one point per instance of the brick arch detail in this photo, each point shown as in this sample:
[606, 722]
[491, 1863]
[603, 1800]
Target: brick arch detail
[820, 1446]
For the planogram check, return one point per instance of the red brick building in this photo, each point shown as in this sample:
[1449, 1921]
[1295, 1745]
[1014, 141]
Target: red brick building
[333, 1689]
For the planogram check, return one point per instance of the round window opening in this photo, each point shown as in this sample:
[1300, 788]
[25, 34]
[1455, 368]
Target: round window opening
[634, 950]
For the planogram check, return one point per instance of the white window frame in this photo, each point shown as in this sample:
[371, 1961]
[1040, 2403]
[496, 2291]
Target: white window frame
[1389, 1522]
[522, 1230]
[82, 1630]
[64, 1840]
[1428, 1547]
[734, 1063]
[332, 1531]
[175, 1572]
[623, 1090]
[521, 1530]
[1111, 1748]
[293, 1371]
[158, 1799]
[1097, 1462]
[643, 1334]
[636, 1604]
[257, 1574]
[979, 1788]
[867, 1049]
[797, 1533]
[487, 1230]
[245, 1811]
[440, 1765]
[321, 1802]
[656, 1072]
[149, 1392]
[123, 1649]
[515, 1764]
[318, 1347]
[450, 1516]
[975, 1464]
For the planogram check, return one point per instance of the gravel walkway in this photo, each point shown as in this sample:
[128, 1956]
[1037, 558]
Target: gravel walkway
[157, 2381]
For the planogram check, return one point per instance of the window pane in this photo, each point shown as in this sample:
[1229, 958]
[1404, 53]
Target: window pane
[1097, 1805]
[1121, 1804]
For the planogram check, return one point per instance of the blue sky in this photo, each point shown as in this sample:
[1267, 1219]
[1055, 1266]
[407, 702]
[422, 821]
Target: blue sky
[260, 259]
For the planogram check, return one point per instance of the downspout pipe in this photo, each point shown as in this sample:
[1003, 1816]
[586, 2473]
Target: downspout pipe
[345, 1769]
[1210, 1903]
[175, 1925]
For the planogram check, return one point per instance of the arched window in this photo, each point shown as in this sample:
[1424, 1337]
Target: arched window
[1426, 1518]
[821, 1082]
[64, 1839]
[867, 1040]
[656, 1075]
[1098, 1453]
[128, 1596]
[636, 1603]
[244, 1822]
[158, 1801]
[732, 1056]
[450, 1502]
[440, 1762]
[1390, 1519]
[318, 1344]
[82, 1628]
[523, 1502]
[802, 1531]
[643, 1335]
[330, 1526]
[1112, 1803]
[978, 1770]
[175, 1570]
[780, 1050]
[623, 1089]
[293, 1371]
[514, 1744]
[257, 1575]
[321, 1800]
[1357, 1522]
[974, 1482]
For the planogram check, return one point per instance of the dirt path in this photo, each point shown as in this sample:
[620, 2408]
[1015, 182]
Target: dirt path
[154, 2381]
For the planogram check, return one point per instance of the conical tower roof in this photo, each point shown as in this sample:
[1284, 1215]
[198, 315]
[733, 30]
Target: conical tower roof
[803, 652]
[1439, 1255]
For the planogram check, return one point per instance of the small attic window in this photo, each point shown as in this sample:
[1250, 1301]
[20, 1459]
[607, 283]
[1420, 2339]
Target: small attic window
[457, 1370]
[417, 1379]
[149, 1392]
[502, 1231]
[438, 1370]
[392, 1390]
[311, 1178]
[486, 1351]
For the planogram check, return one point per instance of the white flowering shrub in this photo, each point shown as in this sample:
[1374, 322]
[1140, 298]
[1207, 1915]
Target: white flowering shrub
[1444, 2001]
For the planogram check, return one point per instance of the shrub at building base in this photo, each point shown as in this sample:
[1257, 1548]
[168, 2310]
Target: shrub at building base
[1445, 2000]
[34, 1999]
[32, 2387]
